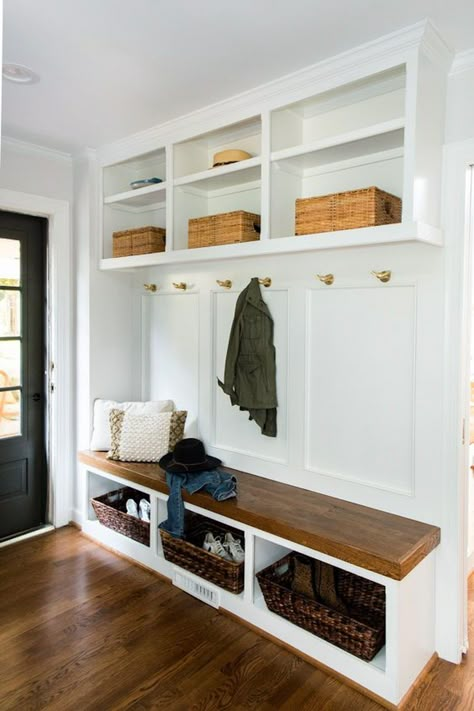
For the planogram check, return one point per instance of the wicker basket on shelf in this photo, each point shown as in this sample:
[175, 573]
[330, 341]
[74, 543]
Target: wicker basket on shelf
[361, 631]
[140, 240]
[189, 554]
[346, 211]
[111, 511]
[227, 228]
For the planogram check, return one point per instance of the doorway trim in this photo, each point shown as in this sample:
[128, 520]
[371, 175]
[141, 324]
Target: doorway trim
[60, 341]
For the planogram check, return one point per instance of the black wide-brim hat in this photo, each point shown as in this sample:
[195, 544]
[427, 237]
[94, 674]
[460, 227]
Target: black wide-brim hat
[188, 455]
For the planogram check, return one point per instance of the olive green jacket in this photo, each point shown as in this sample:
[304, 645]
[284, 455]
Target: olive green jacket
[250, 370]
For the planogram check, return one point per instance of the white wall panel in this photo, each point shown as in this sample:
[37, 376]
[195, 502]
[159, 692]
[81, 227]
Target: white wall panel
[360, 385]
[232, 429]
[171, 352]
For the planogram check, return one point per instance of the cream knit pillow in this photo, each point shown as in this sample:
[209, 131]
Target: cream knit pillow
[101, 433]
[144, 438]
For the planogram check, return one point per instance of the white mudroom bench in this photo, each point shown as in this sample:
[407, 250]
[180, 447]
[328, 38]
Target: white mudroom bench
[396, 552]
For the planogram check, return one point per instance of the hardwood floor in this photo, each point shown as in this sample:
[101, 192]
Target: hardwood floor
[82, 629]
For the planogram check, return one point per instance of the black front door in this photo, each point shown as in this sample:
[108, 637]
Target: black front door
[22, 373]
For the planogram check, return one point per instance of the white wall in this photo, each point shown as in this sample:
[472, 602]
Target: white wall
[374, 372]
[460, 99]
[32, 169]
[107, 316]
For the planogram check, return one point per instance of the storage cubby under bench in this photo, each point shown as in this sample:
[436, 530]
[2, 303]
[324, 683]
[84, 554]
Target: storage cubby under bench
[276, 519]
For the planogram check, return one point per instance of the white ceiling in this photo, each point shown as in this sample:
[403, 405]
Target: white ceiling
[110, 68]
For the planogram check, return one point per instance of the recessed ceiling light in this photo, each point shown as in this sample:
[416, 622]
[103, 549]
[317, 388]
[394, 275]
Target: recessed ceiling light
[19, 74]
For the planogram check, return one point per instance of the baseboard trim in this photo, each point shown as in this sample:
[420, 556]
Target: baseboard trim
[424, 672]
[76, 517]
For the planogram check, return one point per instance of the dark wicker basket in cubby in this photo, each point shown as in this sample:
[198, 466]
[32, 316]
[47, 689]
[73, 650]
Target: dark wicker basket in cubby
[189, 554]
[111, 511]
[361, 631]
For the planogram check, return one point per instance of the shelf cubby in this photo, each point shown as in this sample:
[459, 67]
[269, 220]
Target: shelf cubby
[349, 167]
[196, 155]
[267, 553]
[117, 217]
[232, 190]
[351, 108]
[118, 176]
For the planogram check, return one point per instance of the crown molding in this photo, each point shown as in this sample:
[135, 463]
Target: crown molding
[25, 147]
[434, 46]
[463, 61]
[372, 57]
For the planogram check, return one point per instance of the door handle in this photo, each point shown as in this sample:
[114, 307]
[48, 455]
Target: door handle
[36, 397]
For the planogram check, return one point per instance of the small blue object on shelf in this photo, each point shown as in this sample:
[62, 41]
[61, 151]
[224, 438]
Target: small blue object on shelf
[144, 182]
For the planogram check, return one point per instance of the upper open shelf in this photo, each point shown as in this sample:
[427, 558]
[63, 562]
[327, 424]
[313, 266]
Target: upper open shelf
[372, 131]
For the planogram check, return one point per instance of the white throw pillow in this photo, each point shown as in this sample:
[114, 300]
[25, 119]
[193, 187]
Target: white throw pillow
[100, 441]
[144, 438]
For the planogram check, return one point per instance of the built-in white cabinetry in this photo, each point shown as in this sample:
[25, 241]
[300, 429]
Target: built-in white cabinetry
[373, 117]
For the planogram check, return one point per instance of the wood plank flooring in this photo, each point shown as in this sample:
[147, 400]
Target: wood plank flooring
[83, 629]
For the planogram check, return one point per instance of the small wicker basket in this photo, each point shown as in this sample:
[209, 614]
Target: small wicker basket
[360, 632]
[140, 240]
[111, 511]
[189, 554]
[346, 211]
[227, 228]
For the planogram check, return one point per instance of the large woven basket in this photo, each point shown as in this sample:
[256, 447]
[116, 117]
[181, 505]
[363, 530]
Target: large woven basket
[189, 554]
[346, 211]
[140, 240]
[361, 632]
[227, 228]
[111, 511]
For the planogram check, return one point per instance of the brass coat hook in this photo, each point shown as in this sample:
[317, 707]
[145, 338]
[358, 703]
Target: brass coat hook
[180, 285]
[326, 278]
[150, 287]
[383, 276]
[266, 281]
[226, 284]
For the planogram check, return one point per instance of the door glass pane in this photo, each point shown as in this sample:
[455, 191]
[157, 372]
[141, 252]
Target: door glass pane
[10, 413]
[10, 311]
[10, 363]
[9, 262]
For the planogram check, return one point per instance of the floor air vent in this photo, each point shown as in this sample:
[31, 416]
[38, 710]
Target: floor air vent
[196, 587]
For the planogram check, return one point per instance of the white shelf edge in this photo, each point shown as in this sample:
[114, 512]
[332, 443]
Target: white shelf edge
[218, 172]
[340, 139]
[398, 233]
[130, 194]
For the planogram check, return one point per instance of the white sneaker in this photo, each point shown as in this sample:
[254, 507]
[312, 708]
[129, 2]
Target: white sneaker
[214, 545]
[145, 509]
[233, 547]
[132, 509]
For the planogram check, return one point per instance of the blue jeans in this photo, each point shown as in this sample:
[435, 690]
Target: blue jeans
[219, 485]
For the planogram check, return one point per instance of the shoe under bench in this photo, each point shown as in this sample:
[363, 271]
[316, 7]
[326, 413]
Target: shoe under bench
[396, 552]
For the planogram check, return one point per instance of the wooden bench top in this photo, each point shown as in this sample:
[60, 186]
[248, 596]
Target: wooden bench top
[378, 541]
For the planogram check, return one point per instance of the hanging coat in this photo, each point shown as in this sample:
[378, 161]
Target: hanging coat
[250, 370]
